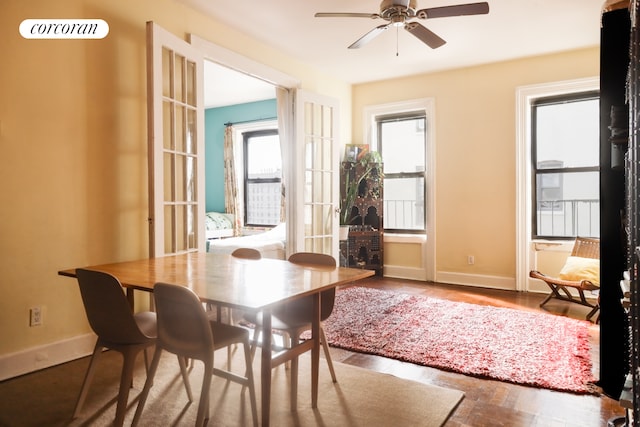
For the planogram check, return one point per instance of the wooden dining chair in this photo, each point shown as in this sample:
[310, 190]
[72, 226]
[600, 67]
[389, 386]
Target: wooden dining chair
[246, 253]
[185, 329]
[248, 319]
[294, 318]
[117, 328]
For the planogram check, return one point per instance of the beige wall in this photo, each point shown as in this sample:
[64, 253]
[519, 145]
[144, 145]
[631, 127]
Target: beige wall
[73, 166]
[475, 154]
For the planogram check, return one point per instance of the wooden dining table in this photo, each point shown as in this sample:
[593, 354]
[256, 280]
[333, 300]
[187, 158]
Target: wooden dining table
[249, 285]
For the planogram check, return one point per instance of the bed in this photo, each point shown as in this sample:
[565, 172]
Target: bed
[218, 225]
[271, 244]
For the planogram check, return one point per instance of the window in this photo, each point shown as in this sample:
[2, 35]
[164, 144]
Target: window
[402, 142]
[262, 178]
[565, 166]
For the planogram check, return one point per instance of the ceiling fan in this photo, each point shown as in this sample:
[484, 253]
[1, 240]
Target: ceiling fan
[400, 12]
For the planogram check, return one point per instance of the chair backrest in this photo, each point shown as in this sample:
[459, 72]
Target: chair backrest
[312, 258]
[247, 253]
[327, 297]
[586, 247]
[183, 326]
[107, 308]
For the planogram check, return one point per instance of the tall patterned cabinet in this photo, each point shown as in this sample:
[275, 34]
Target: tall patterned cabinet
[620, 207]
[632, 169]
[364, 248]
[614, 197]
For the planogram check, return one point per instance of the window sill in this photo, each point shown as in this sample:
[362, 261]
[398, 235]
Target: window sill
[552, 245]
[404, 238]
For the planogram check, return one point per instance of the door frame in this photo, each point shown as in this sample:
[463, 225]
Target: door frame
[240, 63]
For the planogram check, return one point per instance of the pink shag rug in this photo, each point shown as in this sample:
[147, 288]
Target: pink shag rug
[528, 348]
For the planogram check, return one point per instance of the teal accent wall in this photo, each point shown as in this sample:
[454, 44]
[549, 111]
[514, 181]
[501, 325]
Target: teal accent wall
[214, 120]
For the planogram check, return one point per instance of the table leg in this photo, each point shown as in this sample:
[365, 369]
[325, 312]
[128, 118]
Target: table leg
[315, 350]
[265, 369]
[130, 298]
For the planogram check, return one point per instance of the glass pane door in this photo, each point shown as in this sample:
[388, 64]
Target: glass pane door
[176, 144]
[318, 134]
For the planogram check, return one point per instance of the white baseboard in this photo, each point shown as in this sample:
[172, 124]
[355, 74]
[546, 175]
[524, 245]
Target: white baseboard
[493, 282]
[36, 358]
[398, 272]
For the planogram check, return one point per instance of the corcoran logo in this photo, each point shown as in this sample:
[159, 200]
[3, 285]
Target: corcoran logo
[64, 29]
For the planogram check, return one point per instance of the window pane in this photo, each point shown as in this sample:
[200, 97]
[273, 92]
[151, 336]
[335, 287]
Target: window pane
[264, 159]
[403, 145]
[567, 134]
[263, 203]
[568, 204]
[404, 203]
[263, 176]
[179, 80]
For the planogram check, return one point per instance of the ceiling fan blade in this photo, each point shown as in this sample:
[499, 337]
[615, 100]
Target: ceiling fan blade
[425, 35]
[369, 36]
[457, 10]
[346, 15]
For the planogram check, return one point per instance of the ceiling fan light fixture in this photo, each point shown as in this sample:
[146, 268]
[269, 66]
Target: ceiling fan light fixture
[399, 13]
[393, 10]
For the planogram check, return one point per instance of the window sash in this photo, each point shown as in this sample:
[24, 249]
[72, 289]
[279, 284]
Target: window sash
[254, 210]
[565, 216]
[405, 216]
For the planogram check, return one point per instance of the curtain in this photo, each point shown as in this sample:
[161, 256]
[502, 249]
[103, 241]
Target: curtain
[284, 114]
[231, 202]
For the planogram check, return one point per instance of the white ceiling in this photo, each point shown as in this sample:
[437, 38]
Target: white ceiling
[512, 29]
[224, 86]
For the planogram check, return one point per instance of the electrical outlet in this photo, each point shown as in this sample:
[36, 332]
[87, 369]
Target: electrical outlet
[471, 259]
[35, 316]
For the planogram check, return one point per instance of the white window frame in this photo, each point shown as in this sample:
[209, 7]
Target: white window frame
[238, 152]
[525, 95]
[428, 239]
[246, 137]
[404, 174]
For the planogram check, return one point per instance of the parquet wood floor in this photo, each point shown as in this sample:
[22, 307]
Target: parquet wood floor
[495, 403]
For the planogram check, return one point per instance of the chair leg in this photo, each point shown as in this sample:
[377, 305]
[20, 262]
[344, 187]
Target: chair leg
[593, 311]
[128, 365]
[146, 360]
[293, 340]
[254, 341]
[554, 294]
[251, 384]
[97, 350]
[327, 355]
[203, 406]
[147, 386]
[185, 377]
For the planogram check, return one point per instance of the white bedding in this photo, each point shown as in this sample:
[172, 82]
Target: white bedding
[270, 243]
[218, 225]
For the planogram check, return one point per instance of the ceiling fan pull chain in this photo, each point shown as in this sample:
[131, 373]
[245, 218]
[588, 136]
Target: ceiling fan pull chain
[397, 44]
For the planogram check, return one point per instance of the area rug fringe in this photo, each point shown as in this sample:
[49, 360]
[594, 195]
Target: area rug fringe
[528, 348]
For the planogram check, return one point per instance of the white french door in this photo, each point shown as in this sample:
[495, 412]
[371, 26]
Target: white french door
[317, 173]
[176, 151]
[176, 144]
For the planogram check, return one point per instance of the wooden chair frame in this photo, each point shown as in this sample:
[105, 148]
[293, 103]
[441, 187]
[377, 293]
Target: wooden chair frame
[560, 289]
